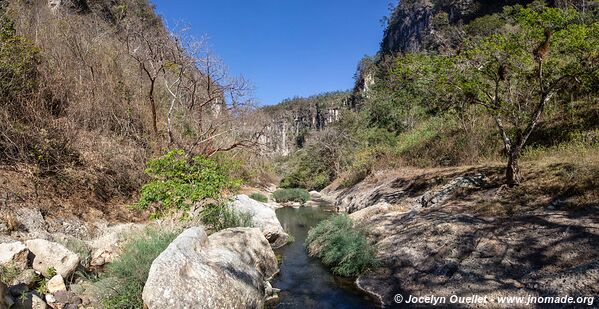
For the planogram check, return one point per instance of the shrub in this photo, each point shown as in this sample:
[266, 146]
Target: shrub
[177, 182]
[8, 273]
[223, 216]
[18, 64]
[125, 277]
[291, 195]
[341, 246]
[259, 197]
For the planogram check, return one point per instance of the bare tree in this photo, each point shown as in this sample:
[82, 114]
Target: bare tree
[206, 99]
[149, 51]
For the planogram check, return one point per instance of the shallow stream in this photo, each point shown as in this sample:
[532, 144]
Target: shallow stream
[304, 281]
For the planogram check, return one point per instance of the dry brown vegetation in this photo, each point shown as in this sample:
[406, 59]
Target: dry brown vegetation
[108, 88]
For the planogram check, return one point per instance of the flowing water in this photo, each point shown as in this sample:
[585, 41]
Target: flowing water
[304, 281]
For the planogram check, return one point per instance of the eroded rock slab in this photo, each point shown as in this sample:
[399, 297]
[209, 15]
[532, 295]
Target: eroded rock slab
[433, 238]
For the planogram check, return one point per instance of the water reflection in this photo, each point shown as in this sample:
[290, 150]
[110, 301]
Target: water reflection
[304, 281]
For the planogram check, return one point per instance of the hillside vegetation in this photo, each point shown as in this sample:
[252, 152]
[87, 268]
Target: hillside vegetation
[522, 85]
[92, 90]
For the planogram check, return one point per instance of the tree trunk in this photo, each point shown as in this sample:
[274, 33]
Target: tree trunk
[512, 172]
[153, 109]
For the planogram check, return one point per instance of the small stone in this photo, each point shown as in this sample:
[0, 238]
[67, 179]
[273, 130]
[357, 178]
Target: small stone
[37, 302]
[56, 284]
[518, 284]
[272, 300]
[50, 299]
[66, 299]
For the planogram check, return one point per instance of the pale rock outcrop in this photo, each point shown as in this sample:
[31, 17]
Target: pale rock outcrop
[433, 238]
[14, 254]
[264, 218]
[50, 254]
[226, 270]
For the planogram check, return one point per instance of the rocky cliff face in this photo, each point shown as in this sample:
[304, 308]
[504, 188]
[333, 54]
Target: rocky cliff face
[290, 122]
[419, 25]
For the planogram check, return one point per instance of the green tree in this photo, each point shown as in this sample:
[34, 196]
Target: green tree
[517, 72]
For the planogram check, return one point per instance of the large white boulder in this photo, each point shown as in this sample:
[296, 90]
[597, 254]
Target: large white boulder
[264, 218]
[226, 270]
[52, 255]
[14, 254]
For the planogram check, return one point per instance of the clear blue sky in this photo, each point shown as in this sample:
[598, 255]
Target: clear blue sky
[285, 48]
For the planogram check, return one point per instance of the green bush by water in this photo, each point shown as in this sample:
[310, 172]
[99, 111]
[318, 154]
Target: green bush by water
[341, 246]
[123, 282]
[291, 195]
[259, 197]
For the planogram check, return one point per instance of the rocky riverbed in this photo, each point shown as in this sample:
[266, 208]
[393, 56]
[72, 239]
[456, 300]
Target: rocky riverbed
[233, 267]
[456, 232]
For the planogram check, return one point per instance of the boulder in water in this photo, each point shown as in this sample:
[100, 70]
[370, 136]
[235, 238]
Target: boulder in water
[264, 218]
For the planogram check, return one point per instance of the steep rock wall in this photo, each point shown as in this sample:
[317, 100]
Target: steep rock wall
[289, 123]
[412, 25]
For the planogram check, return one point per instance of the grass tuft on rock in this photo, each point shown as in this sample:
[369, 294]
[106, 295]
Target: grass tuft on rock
[259, 197]
[123, 282]
[341, 246]
[291, 195]
[222, 216]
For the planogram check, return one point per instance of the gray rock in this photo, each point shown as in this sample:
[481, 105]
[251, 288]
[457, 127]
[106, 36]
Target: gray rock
[106, 247]
[30, 301]
[17, 290]
[31, 219]
[264, 218]
[64, 299]
[226, 270]
[76, 245]
[50, 254]
[14, 254]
